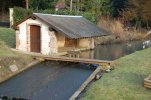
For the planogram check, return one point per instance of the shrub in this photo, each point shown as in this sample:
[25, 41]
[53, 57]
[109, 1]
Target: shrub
[21, 13]
[118, 30]
[91, 17]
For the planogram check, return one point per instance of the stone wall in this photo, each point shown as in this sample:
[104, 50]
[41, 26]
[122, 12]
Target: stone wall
[50, 40]
[23, 35]
[53, 42]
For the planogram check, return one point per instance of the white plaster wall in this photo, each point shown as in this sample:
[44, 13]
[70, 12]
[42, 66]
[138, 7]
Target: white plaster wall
[45, 39]
[24, 36]
[86, 43]
[61, 40]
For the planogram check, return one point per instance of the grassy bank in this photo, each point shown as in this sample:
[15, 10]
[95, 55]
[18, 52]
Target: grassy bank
[126, 81]
[8, 57]
[7, 35]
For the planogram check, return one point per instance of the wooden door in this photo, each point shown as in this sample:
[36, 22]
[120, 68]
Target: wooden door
[35, 38]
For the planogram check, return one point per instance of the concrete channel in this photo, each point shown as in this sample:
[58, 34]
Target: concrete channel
[38, 83]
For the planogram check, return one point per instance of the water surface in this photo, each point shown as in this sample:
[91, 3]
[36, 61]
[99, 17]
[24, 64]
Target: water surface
[58, 81]
[112, 51]
[46, 81]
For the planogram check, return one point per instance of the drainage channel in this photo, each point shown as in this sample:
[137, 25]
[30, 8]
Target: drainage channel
[47, 81]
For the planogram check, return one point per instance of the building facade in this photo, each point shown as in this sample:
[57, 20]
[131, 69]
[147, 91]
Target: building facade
[46, 33]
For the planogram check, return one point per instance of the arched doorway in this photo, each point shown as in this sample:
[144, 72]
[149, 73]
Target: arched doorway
[35, 38]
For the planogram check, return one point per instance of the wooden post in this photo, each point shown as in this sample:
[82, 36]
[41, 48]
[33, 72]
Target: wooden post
[11, 17]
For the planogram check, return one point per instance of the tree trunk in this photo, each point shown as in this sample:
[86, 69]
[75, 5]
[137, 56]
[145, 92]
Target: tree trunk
[78, 6]
[71, 2]
[27, 4]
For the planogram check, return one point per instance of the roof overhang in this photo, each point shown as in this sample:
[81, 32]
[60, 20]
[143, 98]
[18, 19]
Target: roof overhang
[53, 27]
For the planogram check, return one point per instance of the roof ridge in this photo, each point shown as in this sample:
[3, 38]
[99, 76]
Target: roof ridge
[57, 15]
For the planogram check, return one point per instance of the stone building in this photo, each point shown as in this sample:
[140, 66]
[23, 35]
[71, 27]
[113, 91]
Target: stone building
[47, 33]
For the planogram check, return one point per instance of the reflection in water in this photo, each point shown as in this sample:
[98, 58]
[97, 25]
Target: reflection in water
[112, 51]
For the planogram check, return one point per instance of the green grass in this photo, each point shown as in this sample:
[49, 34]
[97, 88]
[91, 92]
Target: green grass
[5, 50]
[126, 81]
[7, 39]
[9, 57]
[7, 35]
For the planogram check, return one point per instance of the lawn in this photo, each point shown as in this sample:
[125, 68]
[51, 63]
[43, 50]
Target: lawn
[9, 57]
[126, 81]
[7, 35]
[7, 39]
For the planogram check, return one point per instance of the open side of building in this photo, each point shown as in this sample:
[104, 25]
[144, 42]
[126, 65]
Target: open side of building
[47, 33]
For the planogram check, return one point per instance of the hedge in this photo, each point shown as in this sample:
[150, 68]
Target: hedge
[21, 13]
